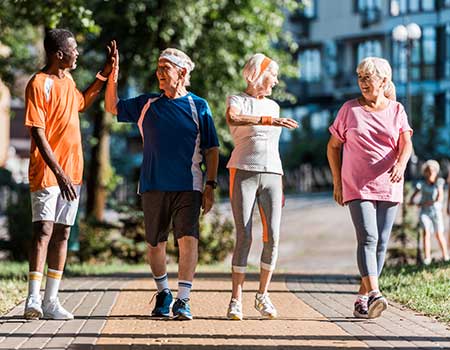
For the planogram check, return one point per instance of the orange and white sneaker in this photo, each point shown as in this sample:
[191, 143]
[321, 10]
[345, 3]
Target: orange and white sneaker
[264, 305]
[235, 310]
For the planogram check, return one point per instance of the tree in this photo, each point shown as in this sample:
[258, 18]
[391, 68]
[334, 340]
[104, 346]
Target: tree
[219, 36]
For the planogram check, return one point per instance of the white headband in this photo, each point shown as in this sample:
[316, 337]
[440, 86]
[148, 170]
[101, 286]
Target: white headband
[175, 60]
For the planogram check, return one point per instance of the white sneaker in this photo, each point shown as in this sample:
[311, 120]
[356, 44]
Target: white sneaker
[427, 261]
[264, 305]
[54, 311]
[235, 310]
[33, 307]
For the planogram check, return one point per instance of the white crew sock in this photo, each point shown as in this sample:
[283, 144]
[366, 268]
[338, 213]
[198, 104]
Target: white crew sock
[184, 289]
[34, 283]
[162, 282]
[52, 284]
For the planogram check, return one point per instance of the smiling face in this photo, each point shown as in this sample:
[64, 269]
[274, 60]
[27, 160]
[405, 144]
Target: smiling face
[69, 54]
[269, 80]
[168, 74]
[370, 85]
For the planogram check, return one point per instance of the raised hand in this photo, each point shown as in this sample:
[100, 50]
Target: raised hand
[112, 58]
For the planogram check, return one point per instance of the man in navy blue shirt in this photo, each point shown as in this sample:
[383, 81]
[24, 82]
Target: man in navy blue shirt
[177, 132]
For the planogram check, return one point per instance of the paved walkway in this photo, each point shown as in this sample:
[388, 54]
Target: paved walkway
[111, 313]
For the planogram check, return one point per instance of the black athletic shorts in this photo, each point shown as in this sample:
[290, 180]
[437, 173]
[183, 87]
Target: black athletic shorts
[161, 208]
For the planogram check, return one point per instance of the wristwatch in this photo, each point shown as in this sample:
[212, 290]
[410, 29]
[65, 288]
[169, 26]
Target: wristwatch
[212, 183]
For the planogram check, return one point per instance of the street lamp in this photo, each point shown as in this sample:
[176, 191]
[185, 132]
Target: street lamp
[407, 36]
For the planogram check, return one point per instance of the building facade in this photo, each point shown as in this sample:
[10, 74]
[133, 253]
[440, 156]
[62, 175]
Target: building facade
[334, 35]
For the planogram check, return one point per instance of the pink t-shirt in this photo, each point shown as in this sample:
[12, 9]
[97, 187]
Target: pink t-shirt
[370, 150]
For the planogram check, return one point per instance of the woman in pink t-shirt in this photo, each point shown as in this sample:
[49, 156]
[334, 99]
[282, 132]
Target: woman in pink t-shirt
[374, 133]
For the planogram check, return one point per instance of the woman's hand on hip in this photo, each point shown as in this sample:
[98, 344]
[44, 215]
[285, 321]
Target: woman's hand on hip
[396, 173]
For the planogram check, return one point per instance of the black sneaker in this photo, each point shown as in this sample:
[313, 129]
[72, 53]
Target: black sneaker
[361, 309]
[162, 306]
[376, 305]
[181, 310]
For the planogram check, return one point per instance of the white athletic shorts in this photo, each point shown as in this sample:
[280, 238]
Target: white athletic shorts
[432, 223]
[48, 205]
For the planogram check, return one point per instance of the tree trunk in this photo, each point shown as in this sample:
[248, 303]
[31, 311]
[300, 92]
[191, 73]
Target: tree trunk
[99, 170]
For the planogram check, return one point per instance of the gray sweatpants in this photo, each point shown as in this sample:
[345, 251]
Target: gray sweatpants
[373, 221]
[247, 188]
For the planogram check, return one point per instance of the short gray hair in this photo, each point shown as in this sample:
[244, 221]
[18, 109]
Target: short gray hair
[183, 58]
[252, 69]
[376, 66]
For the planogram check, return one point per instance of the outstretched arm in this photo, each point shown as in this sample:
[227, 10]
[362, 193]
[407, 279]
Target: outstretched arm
[236, 119]
[111, 98]
[91, 93]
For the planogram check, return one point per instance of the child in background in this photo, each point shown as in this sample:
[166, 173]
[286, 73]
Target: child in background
[431, 217]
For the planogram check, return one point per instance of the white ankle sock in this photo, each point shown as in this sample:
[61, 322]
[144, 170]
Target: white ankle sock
[184, 289]
[52, 284]
[34, 283]
[162, 282]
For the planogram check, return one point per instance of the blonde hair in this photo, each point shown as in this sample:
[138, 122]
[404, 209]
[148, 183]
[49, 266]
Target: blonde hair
[184, 58]
[252, 69]
[379, 67]
[432, 164]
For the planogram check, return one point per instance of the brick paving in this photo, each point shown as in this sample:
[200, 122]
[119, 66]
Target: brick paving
[314, 313]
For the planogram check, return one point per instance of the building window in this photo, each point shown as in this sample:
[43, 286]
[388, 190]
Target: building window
[310, 65]
[401, 7]
[447, 50]
[429, 53]
[368, 48]
[370, 11]
[308, 9]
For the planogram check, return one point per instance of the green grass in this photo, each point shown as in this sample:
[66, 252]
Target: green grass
[424, 289]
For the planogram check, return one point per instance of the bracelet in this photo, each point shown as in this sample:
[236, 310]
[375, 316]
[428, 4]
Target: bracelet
[266, 121]
[211, 183]
[101, 77]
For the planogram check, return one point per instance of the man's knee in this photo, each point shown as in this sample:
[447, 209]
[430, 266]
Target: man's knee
[61, 232]
[42, 231]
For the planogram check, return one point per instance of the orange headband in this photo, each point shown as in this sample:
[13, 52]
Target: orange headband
[265, 63]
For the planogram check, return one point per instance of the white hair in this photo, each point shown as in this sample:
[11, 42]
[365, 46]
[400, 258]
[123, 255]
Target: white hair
[252, 69]
[379, 67]
[181, 60]
[432, 164]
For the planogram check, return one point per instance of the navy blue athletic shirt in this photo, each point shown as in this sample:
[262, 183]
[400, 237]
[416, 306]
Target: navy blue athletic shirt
[174, 132]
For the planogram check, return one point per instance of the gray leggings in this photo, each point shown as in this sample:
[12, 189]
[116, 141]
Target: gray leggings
[373, 221]
[247, 187]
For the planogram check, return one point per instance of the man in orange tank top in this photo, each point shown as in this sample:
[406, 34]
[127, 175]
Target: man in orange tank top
[52, 103]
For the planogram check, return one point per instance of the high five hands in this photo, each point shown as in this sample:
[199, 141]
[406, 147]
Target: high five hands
[112, 58]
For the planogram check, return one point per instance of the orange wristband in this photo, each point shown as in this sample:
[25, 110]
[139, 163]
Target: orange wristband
[266, 120]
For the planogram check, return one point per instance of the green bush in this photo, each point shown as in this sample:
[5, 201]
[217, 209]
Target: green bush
[404, 234]
[103, 243]
[18, 214]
